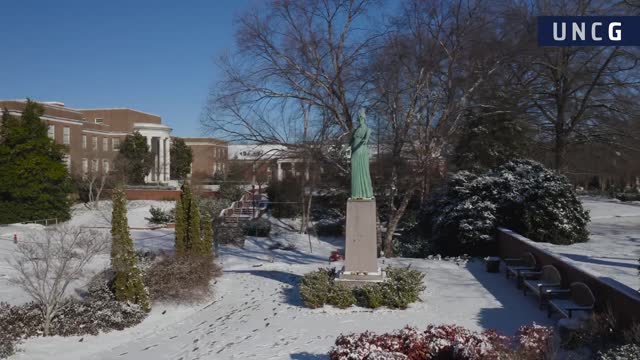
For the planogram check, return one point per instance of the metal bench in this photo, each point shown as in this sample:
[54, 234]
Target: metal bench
[577, 298]
[542, 283]
[516, 266]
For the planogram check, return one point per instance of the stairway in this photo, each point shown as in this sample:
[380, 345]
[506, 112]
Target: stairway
[250, 206]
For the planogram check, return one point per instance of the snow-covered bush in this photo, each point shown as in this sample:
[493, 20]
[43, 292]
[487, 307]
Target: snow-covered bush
[180, 279]
[99, 311]
[442, 342]
[401, 288]
[159, 216]
[534, 342]
[522, 195]
[622, 352]
[7, 344]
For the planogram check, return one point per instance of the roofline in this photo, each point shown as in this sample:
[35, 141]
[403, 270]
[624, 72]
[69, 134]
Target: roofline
[102, 109]
[43, 103]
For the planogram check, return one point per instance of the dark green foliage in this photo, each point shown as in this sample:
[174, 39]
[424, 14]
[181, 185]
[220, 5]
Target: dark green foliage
[369, 296]
[181, 279]
[489, 139]
[34, 181]
[181, 158]
[128, 285]
[284, 197]
[229, 234]
[207, 235]
[315, 287]
[231, 192]
[188, 232]
[401, 288]
[257, 227]
[159, 216]
[521, 195]
[136, 158]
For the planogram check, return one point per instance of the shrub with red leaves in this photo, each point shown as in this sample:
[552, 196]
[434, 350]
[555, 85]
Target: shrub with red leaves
[441, 342]
[335, 256]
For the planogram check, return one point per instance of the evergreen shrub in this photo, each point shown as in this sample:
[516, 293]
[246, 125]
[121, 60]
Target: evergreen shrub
[522, 195]
[257, 227]
[401, 288]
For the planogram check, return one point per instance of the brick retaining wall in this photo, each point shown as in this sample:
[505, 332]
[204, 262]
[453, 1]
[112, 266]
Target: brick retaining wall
[623, 301]
[157, 194]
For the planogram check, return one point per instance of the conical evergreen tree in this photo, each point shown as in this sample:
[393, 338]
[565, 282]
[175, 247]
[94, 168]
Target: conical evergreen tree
[34, 181]
[195, 241]
[180, 229]
[207, 235]
[128, 285]
[188, 240]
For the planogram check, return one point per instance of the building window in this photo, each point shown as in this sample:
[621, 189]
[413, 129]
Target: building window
[94, 143]
[105, 144]
[115, 144]
[52, 132]
[84, 141]
[66, 136]
[67, 161]
[85, 166]
[105, 166]
[98, 120]
[94, 166]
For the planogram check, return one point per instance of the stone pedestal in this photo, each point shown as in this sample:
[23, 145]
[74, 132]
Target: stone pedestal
[361, 260]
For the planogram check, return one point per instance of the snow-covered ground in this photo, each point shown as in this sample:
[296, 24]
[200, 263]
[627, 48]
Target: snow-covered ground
[613, 249]
[256, 313]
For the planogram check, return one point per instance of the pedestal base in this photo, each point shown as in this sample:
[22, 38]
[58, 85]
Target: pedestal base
[355, 279]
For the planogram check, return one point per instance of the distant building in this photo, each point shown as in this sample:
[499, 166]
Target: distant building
[93, 136]
[261, 163]
[210, 158]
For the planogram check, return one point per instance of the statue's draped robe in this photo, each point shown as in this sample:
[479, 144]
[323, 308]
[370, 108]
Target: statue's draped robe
[360, 176]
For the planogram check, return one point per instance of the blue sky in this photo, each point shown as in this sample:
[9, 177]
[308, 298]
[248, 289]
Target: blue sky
[152, 55]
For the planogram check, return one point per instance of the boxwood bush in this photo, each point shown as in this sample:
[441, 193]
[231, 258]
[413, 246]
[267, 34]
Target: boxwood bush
[257, 227]
[401, 288]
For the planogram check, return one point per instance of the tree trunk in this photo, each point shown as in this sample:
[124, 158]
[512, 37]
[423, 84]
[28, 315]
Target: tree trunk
[393, 223]
[560, 151]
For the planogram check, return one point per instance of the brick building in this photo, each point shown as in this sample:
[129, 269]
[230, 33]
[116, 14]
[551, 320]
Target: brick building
[209, 158]
[93, 136]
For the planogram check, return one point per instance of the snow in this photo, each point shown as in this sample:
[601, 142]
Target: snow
[256, 313]
[613, 248]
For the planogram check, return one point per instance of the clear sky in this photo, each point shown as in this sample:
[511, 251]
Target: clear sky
[152, 55]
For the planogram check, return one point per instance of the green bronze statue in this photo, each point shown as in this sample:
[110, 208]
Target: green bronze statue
[360, 176]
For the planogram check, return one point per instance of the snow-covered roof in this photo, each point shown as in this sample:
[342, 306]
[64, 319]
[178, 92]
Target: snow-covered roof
[254, 152]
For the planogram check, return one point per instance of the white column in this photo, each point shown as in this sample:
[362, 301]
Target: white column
[149, 178]
[167, 156]
[279, 171]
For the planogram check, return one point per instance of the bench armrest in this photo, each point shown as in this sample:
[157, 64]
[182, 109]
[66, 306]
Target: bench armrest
[512, 261]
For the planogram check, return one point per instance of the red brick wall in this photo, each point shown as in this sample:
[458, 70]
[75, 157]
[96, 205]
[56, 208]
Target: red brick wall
[623, 301]
[153, 194]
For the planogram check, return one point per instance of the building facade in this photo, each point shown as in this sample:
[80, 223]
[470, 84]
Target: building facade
[93, 137]
[210, 158]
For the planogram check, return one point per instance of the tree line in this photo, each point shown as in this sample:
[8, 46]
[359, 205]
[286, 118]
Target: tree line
[447, 84]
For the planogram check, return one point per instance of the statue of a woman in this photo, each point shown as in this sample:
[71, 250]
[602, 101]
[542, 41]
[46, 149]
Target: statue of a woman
[360, 176]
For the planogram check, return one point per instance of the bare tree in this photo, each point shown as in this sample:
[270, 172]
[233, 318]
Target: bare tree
[95, 182]
[578, 94]
[48, 261]
[426, 75]
[293, 52]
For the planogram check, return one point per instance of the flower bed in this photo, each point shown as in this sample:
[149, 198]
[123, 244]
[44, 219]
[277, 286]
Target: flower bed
[445, 342]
